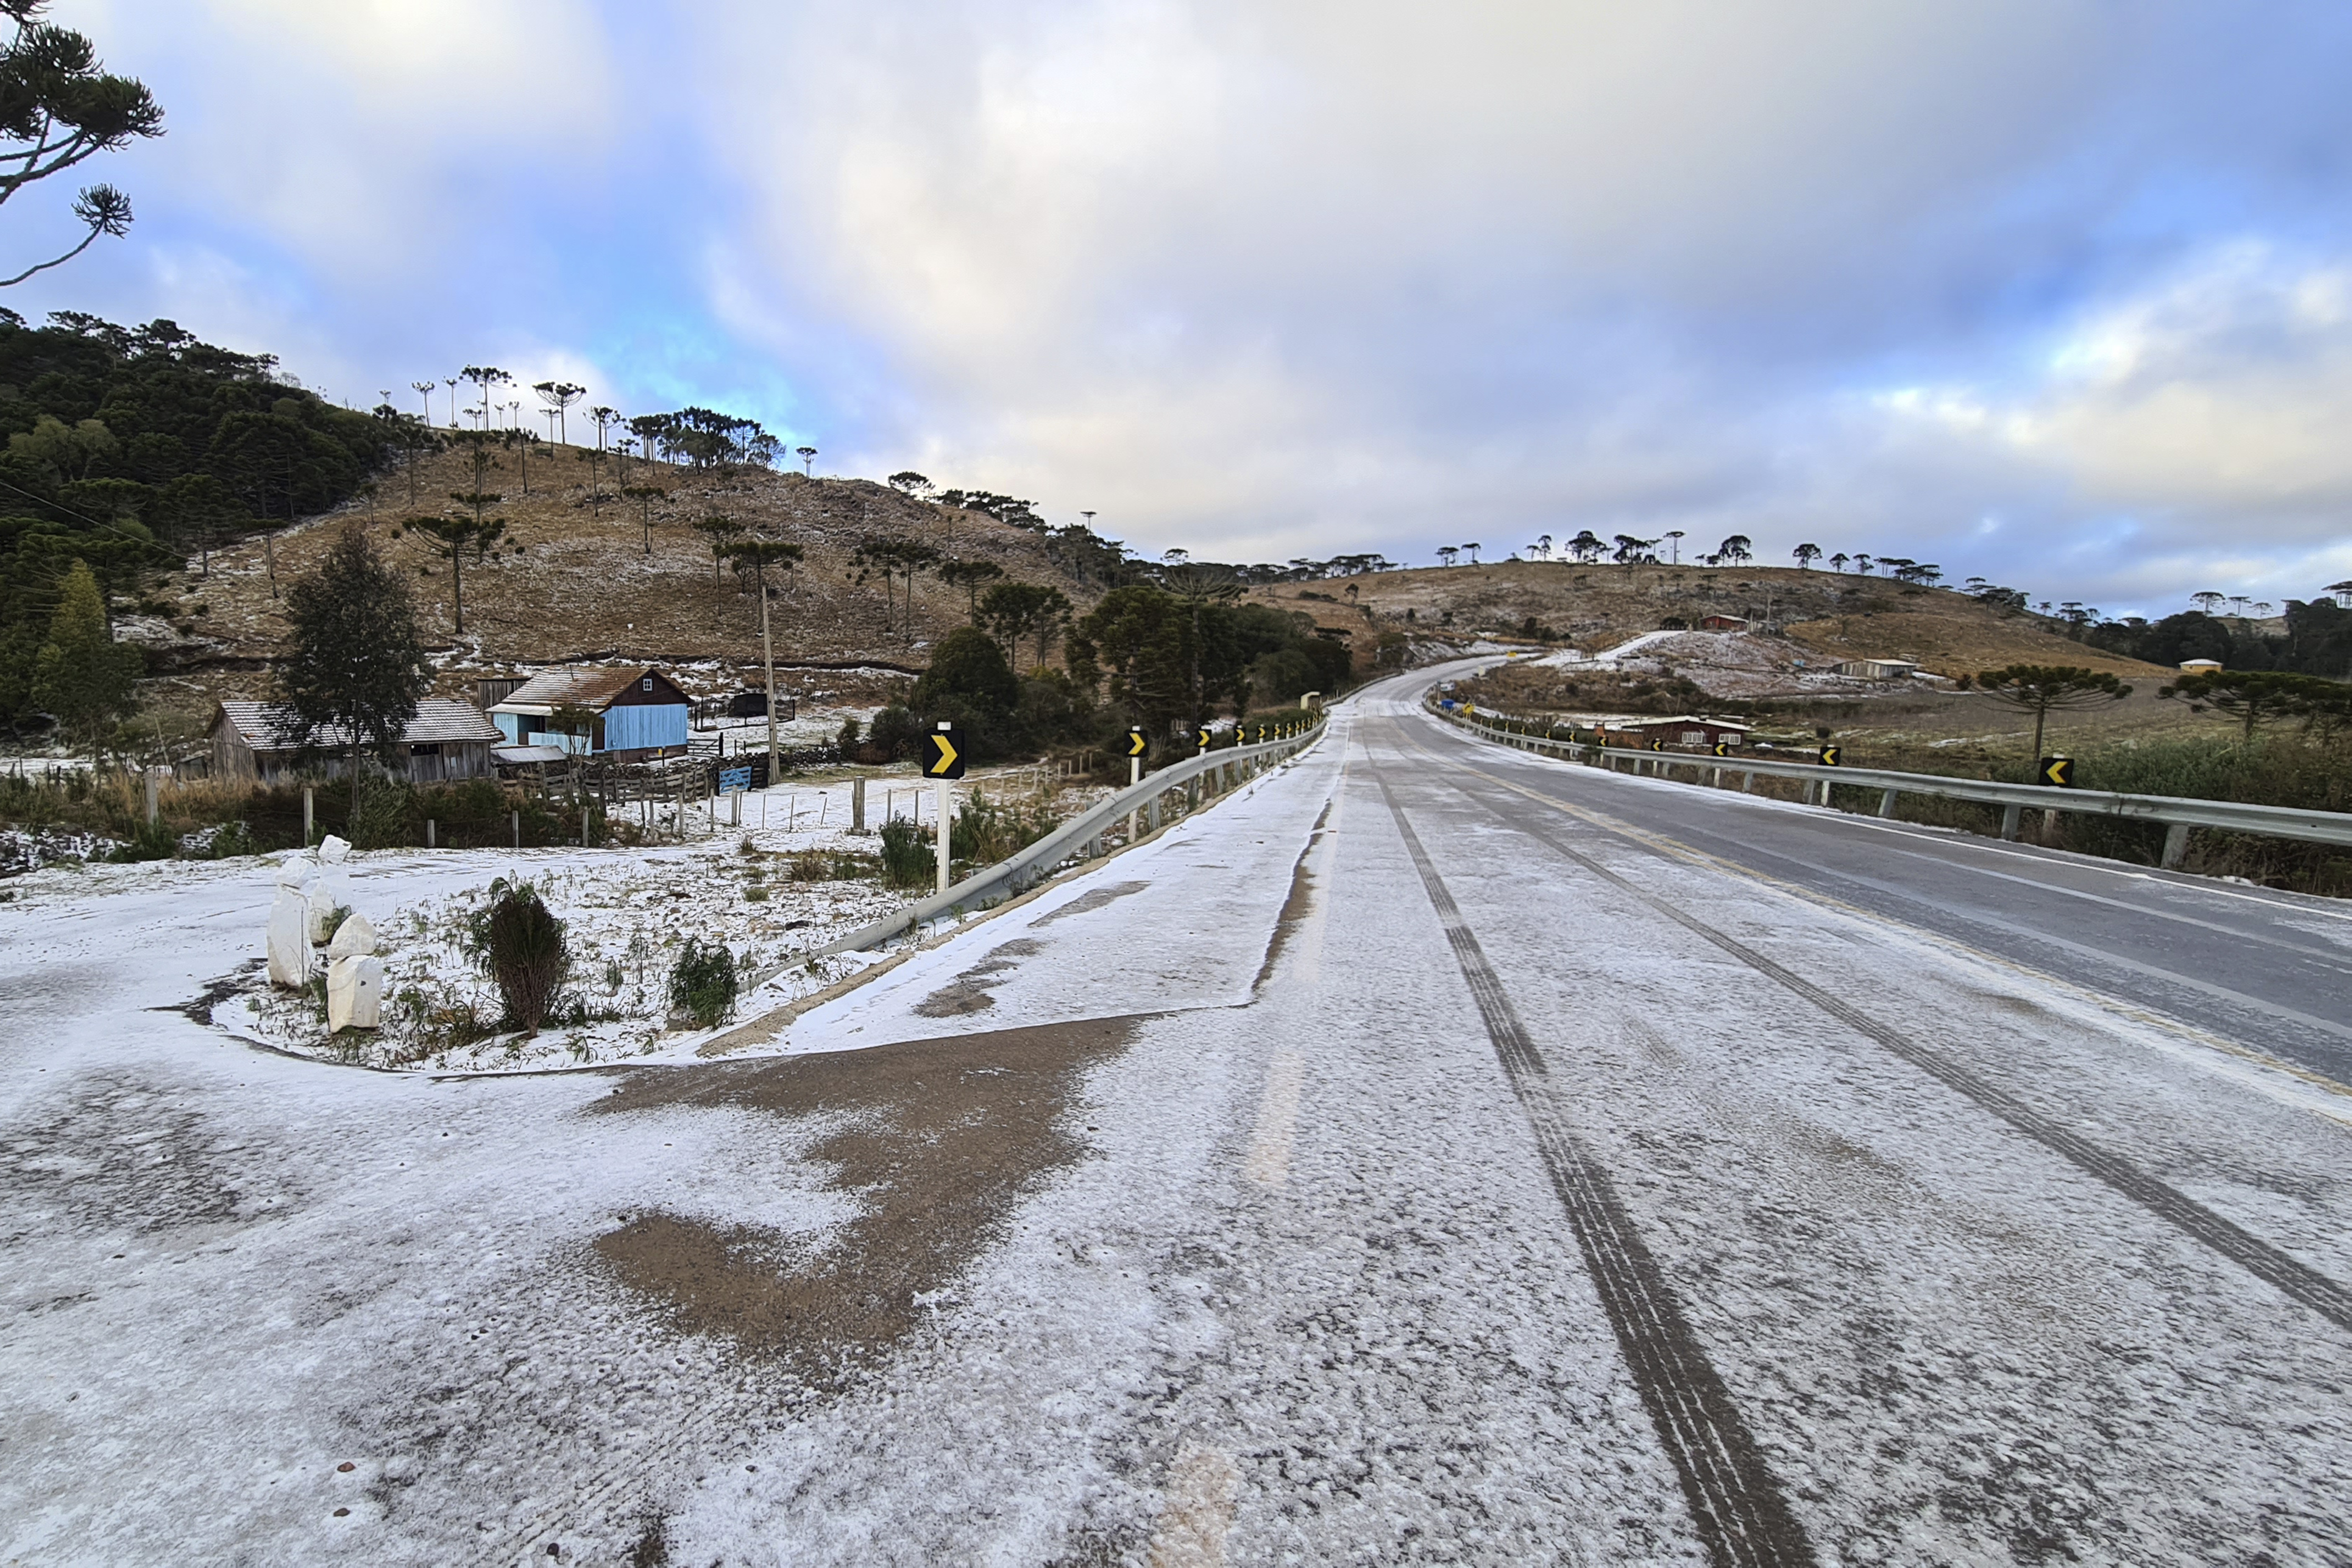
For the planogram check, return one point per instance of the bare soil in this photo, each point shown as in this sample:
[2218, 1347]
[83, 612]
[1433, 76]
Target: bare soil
[940, 1140]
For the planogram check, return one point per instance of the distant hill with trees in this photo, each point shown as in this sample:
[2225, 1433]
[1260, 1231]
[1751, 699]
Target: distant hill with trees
[129, 448]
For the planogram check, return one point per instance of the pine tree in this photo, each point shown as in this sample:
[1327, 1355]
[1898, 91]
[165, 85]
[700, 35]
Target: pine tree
[355, 660]
[81, 674]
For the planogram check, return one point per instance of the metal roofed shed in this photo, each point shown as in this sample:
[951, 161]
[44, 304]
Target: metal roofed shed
[1877, 668]
[1678, 730]
[261, 742]
[634, 712]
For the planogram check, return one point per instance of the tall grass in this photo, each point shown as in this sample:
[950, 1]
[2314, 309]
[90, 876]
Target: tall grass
[2281, 770]
[470, 815]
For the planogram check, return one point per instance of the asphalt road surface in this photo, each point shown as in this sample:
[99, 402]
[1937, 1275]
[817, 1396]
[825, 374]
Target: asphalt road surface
[1429, 1153]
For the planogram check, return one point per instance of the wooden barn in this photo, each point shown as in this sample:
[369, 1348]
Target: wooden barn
[261, 743]
[630, 714]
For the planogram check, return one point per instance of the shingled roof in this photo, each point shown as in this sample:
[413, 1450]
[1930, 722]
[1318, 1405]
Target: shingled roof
[265, 727]
[582, 688]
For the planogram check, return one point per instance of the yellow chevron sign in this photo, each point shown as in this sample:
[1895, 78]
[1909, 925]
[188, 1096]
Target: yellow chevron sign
[947, 757]
[2058, 771]
[1135, 743]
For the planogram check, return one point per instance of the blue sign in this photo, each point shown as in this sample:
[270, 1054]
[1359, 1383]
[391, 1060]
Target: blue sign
[734, 781]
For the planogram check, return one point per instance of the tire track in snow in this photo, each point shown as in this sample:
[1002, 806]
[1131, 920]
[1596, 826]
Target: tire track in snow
[2292, 1277]
[1737, 1505]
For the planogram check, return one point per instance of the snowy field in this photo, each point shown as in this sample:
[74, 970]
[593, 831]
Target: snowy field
[1196, 1210]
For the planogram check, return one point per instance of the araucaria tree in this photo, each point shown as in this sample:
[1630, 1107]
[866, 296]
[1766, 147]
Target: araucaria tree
[645, 496]
[970, 576]
[450, 539]
[2043, 689]
[485, 377]
[354, 660]
[81, 676]
[559, 396]
[59, 106]
[1011, 611]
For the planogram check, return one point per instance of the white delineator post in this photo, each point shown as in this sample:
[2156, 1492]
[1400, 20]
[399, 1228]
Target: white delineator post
[1134, 778]
[940, 825]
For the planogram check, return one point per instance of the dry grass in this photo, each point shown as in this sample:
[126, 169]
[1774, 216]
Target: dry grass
[583, 584]
[1838, 616]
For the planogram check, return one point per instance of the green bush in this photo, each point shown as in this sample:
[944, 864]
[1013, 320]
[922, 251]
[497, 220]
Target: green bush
[519, 943]
[152, 841]
[702, 982]
[908, 859]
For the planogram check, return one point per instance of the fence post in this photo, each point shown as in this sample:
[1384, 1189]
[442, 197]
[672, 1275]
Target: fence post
[428, 833]
[2176, 847]
[2011, 817]
[155, 805]
[517, 828]
[583, 825]
[307, 819]
[857, 805]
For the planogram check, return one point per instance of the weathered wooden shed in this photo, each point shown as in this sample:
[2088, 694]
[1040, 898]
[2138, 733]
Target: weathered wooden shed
[262, 742]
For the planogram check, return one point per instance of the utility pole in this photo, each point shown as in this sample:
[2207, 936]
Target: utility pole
[768, 654]
[1674, 546]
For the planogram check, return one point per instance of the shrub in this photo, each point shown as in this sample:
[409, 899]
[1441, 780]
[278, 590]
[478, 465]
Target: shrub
[381, 820]
[152, 841]
[985, 832]
[518, 941]
[895, 732]
[702, 982]
[908, 859]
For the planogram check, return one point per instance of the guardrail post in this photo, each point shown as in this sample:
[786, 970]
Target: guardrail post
[2176, 847]
[1887, 802]
[2012, 819]
[1155, 813]
[1747, 784]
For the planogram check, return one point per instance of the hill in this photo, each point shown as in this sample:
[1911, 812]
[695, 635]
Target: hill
[603, 579]
[1827, 616]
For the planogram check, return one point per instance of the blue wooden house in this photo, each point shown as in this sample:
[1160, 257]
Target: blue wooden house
[630, 714]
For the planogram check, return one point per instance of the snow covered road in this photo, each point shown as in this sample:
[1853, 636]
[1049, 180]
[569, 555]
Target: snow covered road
[1427, 1154]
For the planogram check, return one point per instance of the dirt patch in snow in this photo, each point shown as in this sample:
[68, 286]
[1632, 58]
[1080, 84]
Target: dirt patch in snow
[940, 1139]
[968, 993]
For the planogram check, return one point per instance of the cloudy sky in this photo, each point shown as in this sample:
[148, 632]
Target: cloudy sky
[2056, 293]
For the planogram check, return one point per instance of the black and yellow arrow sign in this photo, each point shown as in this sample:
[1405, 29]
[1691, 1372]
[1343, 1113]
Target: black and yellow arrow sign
[2058, 771]
[1657, 745]
[1723, 748]
[1203, 738]
[946, 758]
[1136, 744]
[1829, 756]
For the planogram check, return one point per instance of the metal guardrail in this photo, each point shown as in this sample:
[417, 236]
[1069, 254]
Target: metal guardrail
[2179, 813]
[1010, 877]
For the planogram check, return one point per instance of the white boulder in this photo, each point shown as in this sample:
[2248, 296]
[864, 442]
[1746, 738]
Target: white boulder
[334, 851]
[355, 938]
[289, 938]
[354, 990]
